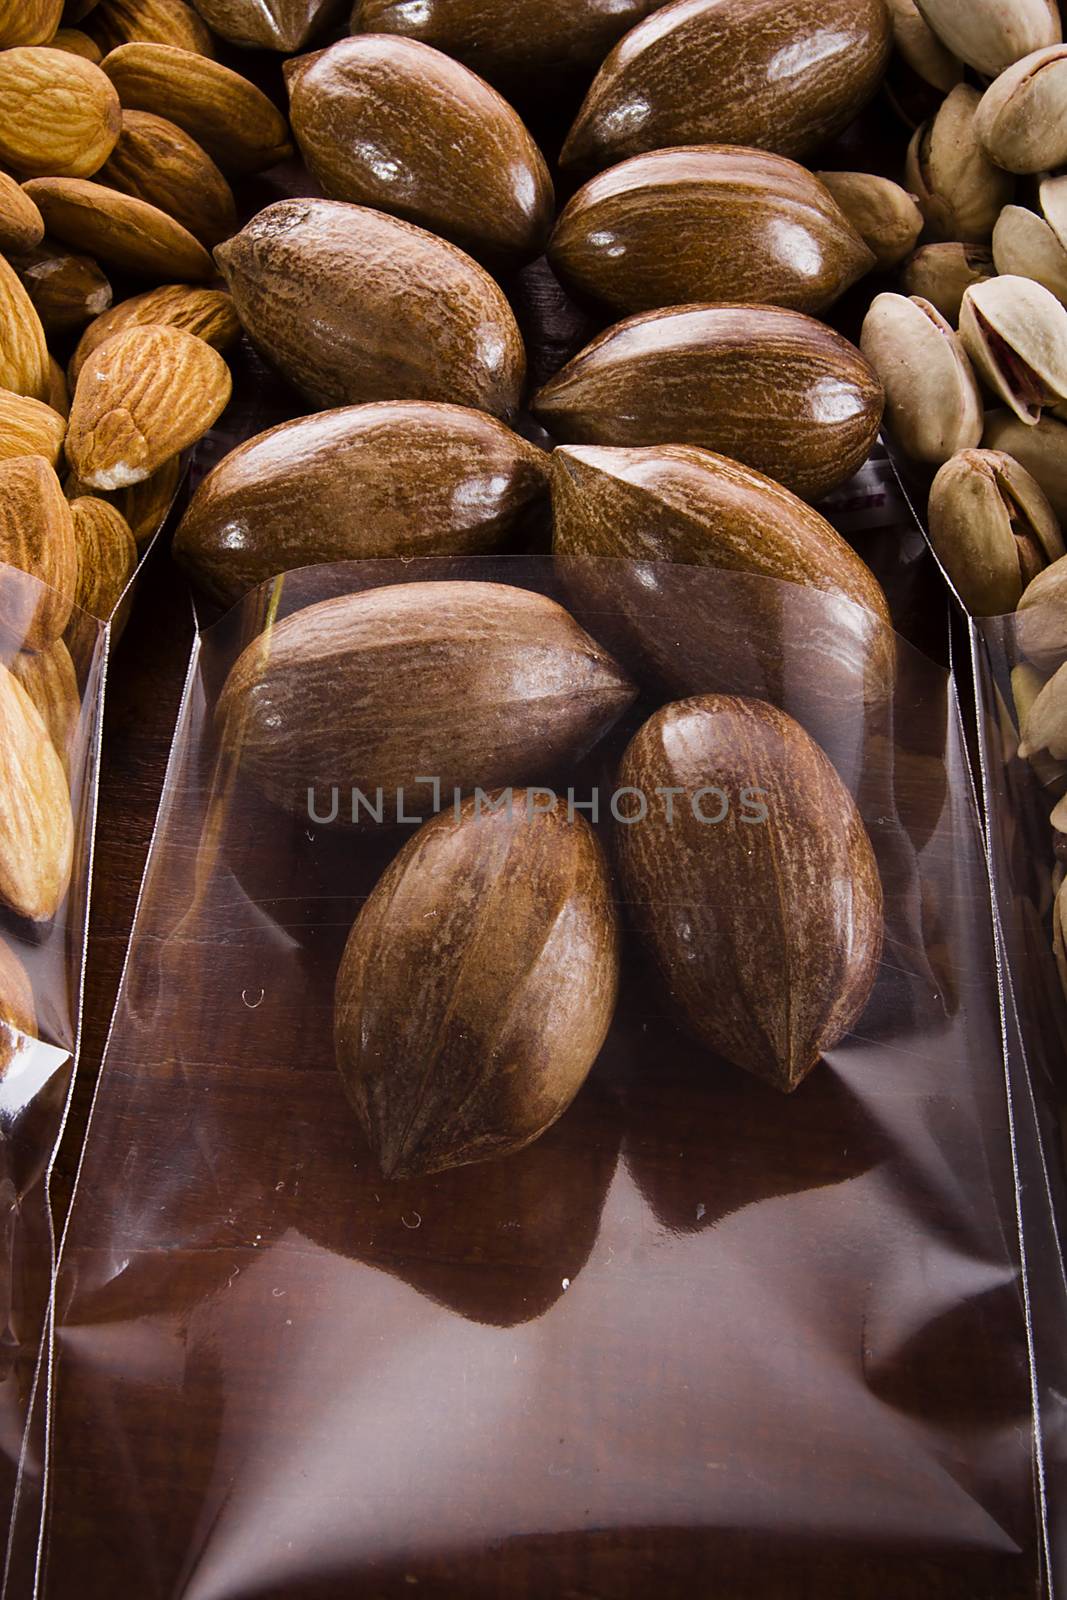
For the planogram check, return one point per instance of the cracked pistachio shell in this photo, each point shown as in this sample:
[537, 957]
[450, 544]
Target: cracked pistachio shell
[940, 273]
[399, 478]
[707, 222]
[933, 406]
[920, 47]
[507, 919]
[396, 125]
[1044, 726]
[1015, 332]
[886, 217]
[472, 683]
[1041, 620]
[1041, 449]
[992, 528]
[754, 72]
[989, 35]
[1025, 246]
[353, 305]
[1052, 199]
[766, 386]
[960, 190]
[766, 934]
[1022, 120]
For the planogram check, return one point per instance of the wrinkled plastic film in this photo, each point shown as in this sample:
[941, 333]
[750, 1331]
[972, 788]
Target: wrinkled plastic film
[698, 1329]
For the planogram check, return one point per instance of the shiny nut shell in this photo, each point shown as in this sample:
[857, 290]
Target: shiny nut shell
[241, 130]
[209, 313]
[400, 478]
[269, 24]
[708, 222]
[353, 306]
[933, 405]
[508, 918]
[754, 72]
[398, 126]
[36, 536]
[768, 387]
[159, 163]
[1015, 332]
[36, 824]
[767, 934]
[1022, 120]
[470, 683]
[142, 397]
[58, 113]
[119, 229]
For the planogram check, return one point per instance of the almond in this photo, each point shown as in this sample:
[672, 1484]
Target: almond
[29, 428]
[36, 536]
[118, 22]
[145, 505]
[209, 313]
[17, 1013]
[49, 678]
[59, 114]
[157, 162]
[28, 21]
[107, 556]
[36, 824]
[21, 224]
[144, 396]
[66, 289]
[228, 117]
[78, 44]
[125, 232]
[58, 393]
[23, 352]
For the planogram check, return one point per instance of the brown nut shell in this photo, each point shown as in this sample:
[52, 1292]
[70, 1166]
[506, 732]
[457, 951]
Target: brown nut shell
[469, 683]
[270, 24]
[353, 306]
[707, 222]
[765, 386]
[395, 125]
[766, 926]
[36, 536]
[508, 915]
[241, 130]
[400, 478]
[156, 162]
[752, 72]
[36, 824]
[209, 313]
[119, 229]
[142, 397]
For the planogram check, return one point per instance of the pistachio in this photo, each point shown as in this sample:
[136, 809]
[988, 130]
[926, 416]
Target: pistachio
[919, 46]
[941, 272]
[991, 34]
[886, 217]
[1015, 332]
[933, 405]
[1044, 727]
[1026, 684]
[1041, 619]
[992, 528]
[1052, 199]
[1042, 450]
[1022, 120]
[960, 190]
[1025, 246]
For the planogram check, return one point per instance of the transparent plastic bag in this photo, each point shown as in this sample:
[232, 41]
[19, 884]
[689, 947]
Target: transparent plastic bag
[700, 1337]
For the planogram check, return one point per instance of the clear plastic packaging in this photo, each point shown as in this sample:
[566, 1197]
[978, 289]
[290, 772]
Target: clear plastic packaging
[700, 1337]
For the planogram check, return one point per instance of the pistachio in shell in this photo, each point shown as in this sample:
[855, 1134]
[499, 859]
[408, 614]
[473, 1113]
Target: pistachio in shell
[989, 35]
[18, 1015]
[398, 478]
[1015, 332]
[933, 405]
[766, 386]
[708, 222]
[960, 190]
[468, 683]
[1025, 246]
[1041, 619]
[886, 217]
[1041, 448]
[919, 46]
[940, 273]
[754, 72]
[992, 528]
[507, 43]
[507, 918]
[353, 305]
[398, 126]
[1044, 725]
[766, 925]
[1022, 120]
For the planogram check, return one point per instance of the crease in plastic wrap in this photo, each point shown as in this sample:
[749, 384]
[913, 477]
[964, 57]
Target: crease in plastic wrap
[51, 700]
[699, 1337]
